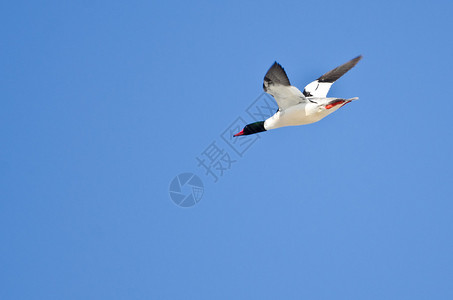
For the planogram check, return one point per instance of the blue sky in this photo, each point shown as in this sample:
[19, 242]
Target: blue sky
[105, 102]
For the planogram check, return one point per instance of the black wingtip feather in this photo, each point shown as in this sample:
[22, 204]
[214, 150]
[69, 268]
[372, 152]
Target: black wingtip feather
[336, 73]
[276, 75]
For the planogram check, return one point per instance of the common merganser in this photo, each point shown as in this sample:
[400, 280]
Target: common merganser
[297, 108]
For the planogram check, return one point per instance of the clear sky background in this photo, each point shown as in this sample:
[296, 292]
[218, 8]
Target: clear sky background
[103, 103]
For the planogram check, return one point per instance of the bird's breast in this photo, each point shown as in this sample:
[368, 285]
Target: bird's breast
[300, 114]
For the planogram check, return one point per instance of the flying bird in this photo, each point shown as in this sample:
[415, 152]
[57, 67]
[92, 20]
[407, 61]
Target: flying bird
[297, 108]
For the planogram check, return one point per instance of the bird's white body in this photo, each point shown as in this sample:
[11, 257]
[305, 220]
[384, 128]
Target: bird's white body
[302, 113]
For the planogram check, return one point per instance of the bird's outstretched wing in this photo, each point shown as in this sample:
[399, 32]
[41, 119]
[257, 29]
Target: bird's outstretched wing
[276, 83]
[321, 86]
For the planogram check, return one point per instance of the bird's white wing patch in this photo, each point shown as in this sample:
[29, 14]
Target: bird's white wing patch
[317, 89]
[285, 96]
[276, 83]
[321, 86]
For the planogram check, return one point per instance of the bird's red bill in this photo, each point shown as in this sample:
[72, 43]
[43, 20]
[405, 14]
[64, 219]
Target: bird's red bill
[239, 133]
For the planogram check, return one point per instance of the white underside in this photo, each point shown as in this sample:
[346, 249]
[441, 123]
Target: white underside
[302, 113]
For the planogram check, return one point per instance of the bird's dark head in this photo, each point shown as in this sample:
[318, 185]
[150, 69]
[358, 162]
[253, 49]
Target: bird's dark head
[252, 128]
